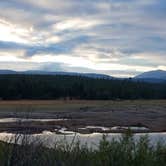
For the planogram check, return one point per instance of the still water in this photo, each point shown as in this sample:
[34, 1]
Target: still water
[92, 140]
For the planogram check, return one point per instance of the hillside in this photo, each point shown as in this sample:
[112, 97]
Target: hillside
[156, 74]
[40, 72]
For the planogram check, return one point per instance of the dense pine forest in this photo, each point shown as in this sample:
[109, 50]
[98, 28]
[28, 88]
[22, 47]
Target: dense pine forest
[76, 87]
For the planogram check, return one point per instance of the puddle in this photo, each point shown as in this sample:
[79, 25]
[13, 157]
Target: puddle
[64, 131]
[132, 128]
[95, 127]
[12, 120]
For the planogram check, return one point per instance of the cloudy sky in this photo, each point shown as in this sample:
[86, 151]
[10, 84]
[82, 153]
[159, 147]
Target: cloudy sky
[116, 37]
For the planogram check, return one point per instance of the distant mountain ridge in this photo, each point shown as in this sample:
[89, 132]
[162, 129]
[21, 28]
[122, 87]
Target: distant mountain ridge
[7, 72]
[40, 72]
[157, 74]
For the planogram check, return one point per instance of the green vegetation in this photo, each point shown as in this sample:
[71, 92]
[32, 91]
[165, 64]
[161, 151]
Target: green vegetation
[76, 87]
[124, 152]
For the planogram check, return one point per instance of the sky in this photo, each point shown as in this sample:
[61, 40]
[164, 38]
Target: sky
[121, 38]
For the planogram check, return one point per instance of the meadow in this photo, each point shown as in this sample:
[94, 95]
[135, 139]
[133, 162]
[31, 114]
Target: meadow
[122, 152]
[80, 113]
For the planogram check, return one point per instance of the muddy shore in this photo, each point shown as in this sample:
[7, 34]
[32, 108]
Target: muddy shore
[76, 114]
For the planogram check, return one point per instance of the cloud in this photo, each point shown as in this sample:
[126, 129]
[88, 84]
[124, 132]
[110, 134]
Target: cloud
[21, 66]
[13, 33]
[99, 36]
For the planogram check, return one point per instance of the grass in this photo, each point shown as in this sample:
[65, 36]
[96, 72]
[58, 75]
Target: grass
[123, 152]
[148, 113]
[60, 105]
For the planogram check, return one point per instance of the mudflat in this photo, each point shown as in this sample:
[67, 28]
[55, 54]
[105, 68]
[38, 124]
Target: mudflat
[76, 114]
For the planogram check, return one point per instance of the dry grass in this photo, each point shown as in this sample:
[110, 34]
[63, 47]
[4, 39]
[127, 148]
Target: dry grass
[149, 113]
[56, 104]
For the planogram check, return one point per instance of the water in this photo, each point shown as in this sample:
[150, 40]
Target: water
[49, 139]
[63, 135]
[12, 120]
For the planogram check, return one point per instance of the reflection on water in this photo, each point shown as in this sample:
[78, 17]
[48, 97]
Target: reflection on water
[132, 128]
[92, 140]
[11, 120]
[95, 127]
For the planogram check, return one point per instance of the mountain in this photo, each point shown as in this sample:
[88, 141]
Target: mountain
[152, 76]
[157, 76]
[40, 72]
[7, 72]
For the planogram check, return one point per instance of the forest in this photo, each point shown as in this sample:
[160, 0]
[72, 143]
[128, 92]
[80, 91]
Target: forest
[14, 87]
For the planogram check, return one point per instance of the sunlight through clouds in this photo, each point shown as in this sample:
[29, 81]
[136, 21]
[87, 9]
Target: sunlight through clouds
[112, 37]
[11, 32]
[76, 23]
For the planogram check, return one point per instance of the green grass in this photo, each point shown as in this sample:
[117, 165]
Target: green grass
[124, 152]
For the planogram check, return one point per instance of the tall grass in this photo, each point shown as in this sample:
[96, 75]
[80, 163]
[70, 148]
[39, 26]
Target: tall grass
[123, 152]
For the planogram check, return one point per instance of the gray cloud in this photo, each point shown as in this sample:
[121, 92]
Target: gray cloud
[102, 32]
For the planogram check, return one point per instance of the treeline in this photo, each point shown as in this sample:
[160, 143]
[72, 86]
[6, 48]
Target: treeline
[76, 87]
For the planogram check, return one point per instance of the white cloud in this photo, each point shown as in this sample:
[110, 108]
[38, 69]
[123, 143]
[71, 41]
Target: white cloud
[14, 33]
[98, 35]
[155, 58]
[12, 56]
[20, 66]
[73, 61]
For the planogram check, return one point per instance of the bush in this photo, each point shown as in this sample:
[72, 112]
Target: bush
[123, 152]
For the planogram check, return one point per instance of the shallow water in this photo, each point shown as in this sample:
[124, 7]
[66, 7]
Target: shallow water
[92, 140]
[12, 120]
[132, 128]
[96, 127]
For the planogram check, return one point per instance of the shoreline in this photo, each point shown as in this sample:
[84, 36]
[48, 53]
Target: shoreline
[37, 116]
